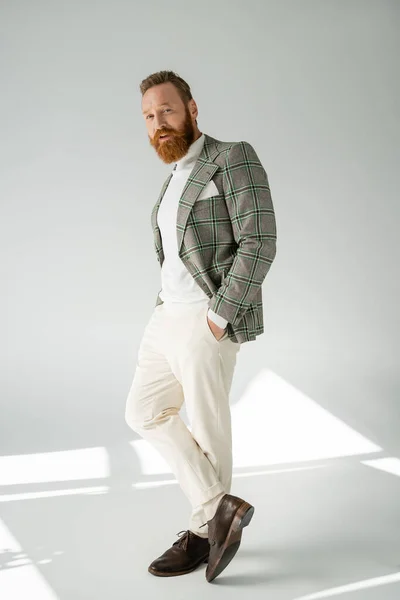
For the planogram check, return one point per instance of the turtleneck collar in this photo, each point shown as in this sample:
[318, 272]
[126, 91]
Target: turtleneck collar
[191, 155]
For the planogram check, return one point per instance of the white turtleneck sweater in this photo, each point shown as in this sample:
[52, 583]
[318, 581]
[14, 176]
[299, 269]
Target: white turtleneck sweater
[177, 283]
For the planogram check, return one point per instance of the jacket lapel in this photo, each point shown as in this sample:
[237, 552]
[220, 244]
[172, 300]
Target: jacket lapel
[202, 172]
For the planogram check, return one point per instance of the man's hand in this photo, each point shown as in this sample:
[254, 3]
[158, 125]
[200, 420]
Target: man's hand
[218, 332]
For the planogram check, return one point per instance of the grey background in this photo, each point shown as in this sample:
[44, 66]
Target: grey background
[313, 86]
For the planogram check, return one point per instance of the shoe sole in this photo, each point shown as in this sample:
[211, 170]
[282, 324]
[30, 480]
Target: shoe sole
[242, 518]
[173, 574]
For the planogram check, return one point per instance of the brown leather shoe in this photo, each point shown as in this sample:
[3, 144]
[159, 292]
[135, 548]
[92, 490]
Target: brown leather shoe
[184, 556]
[225, 532]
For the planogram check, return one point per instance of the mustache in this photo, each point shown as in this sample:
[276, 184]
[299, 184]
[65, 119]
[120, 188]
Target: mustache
[168, 132]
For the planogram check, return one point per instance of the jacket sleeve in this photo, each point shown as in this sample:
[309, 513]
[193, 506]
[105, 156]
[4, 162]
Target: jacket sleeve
[249, 203]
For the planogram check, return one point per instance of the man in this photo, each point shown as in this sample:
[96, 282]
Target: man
[215, 238]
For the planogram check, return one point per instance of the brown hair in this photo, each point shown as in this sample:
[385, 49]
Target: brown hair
[163, 77]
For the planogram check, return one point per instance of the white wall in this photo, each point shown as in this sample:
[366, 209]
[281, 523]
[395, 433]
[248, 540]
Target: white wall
[313, 85]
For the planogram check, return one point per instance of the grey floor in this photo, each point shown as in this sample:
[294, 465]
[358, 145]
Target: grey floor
[85, 525]
[316, 533]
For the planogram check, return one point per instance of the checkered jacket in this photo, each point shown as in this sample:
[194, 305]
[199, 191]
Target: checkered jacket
[228, 241]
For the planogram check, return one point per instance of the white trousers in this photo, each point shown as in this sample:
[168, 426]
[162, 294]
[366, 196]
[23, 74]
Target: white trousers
[180, 360]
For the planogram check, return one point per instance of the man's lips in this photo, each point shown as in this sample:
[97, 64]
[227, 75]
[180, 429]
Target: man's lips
[164, 137]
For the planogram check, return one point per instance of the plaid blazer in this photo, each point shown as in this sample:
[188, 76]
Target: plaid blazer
[228, 241]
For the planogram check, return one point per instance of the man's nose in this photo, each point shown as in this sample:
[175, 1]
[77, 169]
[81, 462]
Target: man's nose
[158, 123]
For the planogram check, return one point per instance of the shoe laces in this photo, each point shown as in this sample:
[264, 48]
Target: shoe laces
[183, 539]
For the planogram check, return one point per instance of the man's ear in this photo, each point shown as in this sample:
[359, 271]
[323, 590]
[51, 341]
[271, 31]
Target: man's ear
[193, 108]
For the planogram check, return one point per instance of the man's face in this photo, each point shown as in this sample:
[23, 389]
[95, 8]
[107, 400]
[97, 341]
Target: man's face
[165, 113]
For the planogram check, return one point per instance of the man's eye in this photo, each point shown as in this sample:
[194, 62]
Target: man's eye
[164, 111]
